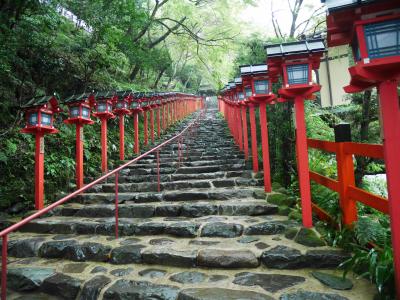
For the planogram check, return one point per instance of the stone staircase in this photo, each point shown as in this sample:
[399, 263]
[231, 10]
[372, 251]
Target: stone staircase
[208, 234]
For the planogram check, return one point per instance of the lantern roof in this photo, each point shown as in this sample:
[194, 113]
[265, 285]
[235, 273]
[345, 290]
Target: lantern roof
[342, 14]
[231, 84]
[238, 81]
[104, 95]
[40, 101]
[333, 5]
[77, 98]
[295, 48]
[123, 94]
[254, 69]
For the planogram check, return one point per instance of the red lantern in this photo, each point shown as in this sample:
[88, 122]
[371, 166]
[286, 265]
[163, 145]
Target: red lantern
[39, 116]
[295, 62]
[103, 107]
[79, 114]
[372, 29]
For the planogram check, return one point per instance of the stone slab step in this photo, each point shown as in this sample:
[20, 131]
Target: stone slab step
[235, 252]
[179, 185]
[76, 280]
[208, 226]
[170, 209]
[186, 195]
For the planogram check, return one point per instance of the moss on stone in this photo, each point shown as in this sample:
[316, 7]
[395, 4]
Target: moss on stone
[295, 215]
[309, 237]
[276, 186]
[283, 210]
[280, 199]
[291, 232]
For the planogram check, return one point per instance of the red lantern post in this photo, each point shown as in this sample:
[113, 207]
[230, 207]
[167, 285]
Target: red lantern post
[79, 114]
[121, 108]
[135, 108]
[39, 116]
[261, 93]
[295, 61]
[103, 108]
[373, 29]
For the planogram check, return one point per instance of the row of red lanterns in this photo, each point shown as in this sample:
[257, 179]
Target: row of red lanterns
[372, 29]
[40, 111]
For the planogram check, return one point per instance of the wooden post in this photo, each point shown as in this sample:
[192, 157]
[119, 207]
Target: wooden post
[265, 146]
[152, 125]
[145, 128]
[390, 110]
[345, 169]
[121, 137]
[39, 171]
[302, 162]
[158, 122]
[104, 167]
[239, 127]
[136, 132]
[253, 130]
[245, 134]
[79, 156]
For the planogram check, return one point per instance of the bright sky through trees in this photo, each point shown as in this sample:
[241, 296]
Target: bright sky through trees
[258, 16]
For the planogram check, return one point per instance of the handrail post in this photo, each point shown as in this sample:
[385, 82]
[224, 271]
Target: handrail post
[345, 172]
[4, 268]
[158, 171]
[116, 205]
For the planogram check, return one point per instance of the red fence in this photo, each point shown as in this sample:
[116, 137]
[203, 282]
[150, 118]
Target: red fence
[179, 138]
[345, 186]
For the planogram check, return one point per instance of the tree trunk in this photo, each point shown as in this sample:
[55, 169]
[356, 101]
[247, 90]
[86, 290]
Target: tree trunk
[160, 74]
[134, 72]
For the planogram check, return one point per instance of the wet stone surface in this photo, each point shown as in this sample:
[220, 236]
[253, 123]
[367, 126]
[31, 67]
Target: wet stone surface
[121, 272]
[332, 281]
[125, 289]
[269, 282]
[220, 294]
[306, 295]
[62, 285]
[27, 278]
[75, 268]
[189, 277]
[152, 273]
[93, 287]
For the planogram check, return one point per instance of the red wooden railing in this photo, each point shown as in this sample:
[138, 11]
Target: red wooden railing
[4, 234]
[344, 185]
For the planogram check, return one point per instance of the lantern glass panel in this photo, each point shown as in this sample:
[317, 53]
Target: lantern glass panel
[383, 39]
[46, 119]
[297, 74]
[85, 112]
[74, 111]
[261, 87]
[248, 91]
[121, 104]
[102, 107]
[241, 96]
[33, 119]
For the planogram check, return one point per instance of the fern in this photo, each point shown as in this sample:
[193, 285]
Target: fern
[368, 230]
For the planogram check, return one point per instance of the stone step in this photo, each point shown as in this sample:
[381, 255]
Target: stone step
[172, 196]
[206, 252]
[153, 163]
[246, 174]
[170, 209]
[177, 185]
[39, 279]
[207, 226]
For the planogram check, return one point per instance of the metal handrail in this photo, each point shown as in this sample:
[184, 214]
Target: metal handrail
[4, 233]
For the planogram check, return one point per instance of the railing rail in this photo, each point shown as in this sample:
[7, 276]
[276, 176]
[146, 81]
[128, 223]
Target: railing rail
[345, 185]
[4, 233]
